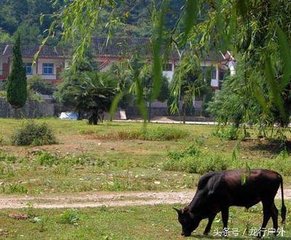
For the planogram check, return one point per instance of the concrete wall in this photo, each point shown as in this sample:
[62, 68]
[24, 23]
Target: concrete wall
[32, 109]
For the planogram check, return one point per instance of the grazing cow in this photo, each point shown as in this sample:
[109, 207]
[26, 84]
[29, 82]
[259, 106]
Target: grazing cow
[217, 191]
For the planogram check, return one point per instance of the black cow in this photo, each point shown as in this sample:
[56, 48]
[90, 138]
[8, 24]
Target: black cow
[217, 191]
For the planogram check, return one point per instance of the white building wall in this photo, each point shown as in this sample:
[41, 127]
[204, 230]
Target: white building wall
[214, 81]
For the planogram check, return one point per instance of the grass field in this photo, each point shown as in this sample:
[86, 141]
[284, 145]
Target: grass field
[116, 156]
[124, 157]
[146, 223]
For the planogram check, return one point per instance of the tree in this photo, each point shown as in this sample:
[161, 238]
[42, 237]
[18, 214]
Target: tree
[4, 36]
[258, 33]
[17, 83]
[258, 30]
[189, 83]
[30, 34]
[38, 85]
[90, 93]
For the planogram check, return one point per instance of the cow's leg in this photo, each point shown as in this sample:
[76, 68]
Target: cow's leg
[267, 211]
[275, 219]
[208, 227]
[224, 215]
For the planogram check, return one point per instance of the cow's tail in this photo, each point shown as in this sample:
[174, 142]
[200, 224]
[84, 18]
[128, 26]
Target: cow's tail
[283, 208]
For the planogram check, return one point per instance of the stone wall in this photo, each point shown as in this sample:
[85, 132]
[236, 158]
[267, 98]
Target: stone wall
[32, 109]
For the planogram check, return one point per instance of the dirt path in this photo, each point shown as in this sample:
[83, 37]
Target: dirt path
[82, 200]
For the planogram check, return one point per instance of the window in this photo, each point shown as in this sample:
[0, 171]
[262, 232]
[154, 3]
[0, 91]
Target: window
[47, 68]
[28, 68]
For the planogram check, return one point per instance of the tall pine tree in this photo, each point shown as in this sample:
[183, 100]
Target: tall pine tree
[17, 83]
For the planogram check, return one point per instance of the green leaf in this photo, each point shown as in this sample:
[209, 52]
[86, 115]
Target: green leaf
[242, 8]
[157, 41]
[114, 104]
[274, 88]
[285, 54]
[191, 11]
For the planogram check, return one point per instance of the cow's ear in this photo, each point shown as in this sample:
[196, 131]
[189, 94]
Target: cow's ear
[179, 211]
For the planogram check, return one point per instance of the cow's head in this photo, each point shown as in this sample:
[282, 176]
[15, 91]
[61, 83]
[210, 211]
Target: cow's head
[188, 220]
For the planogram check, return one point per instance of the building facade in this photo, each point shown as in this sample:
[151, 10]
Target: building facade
[49, 62]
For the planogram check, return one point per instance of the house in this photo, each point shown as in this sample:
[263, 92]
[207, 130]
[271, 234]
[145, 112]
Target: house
[49, 63]
[117, 49]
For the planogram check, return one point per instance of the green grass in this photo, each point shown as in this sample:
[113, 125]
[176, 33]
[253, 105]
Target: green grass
[126, 157]
[144, 222]
[196, 160]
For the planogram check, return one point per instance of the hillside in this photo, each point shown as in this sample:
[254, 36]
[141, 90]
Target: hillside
[31, 18]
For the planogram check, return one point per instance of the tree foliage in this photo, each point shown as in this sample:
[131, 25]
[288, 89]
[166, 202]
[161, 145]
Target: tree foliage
[190, 82]
[90, 93]
[234, 102]
[259, 31]
[17, 83]
[38, 85]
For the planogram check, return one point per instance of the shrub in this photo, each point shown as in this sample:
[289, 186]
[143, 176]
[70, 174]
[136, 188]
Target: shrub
[33, 134]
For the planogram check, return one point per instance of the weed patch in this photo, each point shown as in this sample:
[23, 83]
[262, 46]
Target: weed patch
[46, 158]
[14, 188]
[194, 160]
[6, 170]
[4, 157]
[70, 216]
[150, 134]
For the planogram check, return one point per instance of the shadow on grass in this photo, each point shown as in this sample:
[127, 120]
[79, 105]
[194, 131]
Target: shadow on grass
[272, 146]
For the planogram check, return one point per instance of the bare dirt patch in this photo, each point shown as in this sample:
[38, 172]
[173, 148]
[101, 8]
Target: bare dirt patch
[101, 199]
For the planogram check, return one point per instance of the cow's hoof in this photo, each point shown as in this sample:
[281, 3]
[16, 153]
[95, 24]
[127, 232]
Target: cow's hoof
[224, 232]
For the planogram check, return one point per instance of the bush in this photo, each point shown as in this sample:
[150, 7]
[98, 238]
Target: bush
[33, 134]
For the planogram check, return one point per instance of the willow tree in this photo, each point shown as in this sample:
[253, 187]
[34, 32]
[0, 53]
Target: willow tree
[17, 83]
[259, 31]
